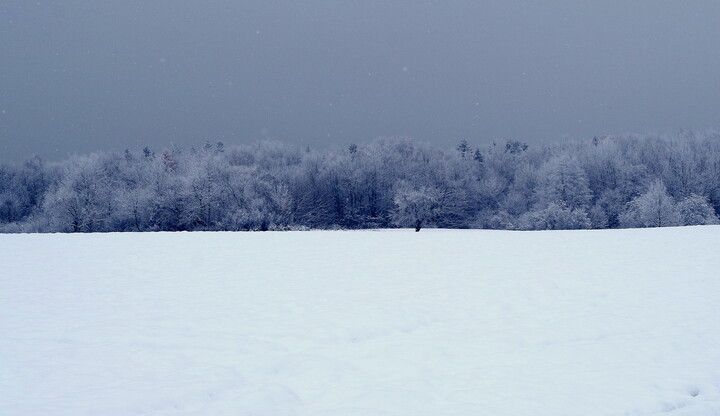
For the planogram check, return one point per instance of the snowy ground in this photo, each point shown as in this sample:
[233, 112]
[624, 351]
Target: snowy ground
[617, 322]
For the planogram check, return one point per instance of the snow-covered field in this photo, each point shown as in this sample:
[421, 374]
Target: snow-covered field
[464, 322]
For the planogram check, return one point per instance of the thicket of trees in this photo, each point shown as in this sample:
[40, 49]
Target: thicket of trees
[608, 182]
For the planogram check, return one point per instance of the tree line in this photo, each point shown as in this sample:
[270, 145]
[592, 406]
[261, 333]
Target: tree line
[606, 182]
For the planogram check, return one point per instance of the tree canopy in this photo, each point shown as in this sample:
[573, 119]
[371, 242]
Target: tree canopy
[607, 182]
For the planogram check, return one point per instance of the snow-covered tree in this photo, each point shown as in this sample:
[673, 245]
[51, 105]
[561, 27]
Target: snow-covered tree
[83, 200]
[564, 182]
[696, 210]
[654, 208]
[415, 206]
[555, 217]
[271, 185]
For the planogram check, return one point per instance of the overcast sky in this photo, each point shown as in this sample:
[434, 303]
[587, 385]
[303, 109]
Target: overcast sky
[81, 75]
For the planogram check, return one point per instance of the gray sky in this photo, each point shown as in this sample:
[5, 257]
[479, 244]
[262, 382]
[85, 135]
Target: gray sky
[79, 75]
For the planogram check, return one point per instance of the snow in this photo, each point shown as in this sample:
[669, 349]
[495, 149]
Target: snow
[463, 322]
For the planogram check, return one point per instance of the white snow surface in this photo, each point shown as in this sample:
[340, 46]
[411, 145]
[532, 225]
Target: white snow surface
[441, 322]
